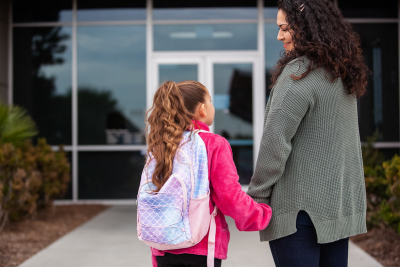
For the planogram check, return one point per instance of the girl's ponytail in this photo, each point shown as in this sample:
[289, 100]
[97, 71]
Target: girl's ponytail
[166, 121]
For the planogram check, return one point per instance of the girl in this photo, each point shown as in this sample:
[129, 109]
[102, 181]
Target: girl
[309, 167]
[187, 106]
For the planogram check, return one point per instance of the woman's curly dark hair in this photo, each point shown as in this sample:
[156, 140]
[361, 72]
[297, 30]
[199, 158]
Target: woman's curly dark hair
[322, 35]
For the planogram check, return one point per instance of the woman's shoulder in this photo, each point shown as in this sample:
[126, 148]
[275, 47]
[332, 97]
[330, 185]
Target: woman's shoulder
[287, 79]
[315, 79]
[297, 66]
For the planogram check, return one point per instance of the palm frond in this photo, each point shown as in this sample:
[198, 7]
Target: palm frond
[17, 127]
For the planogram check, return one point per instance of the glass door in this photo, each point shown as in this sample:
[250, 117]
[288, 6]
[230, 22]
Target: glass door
[233, 102]
[235, 83]
[173, 68]
[177, 72]
[237, 92]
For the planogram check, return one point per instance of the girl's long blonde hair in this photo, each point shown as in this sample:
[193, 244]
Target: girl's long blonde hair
[173, 110]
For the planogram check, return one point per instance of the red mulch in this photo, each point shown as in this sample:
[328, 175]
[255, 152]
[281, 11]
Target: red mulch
[19, 241]
[382, 244]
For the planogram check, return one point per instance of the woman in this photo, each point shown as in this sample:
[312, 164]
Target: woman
[309, 167]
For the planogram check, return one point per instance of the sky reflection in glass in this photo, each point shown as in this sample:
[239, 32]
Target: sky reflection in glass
[177, 72]
[205, 37]
[217, 13]
[112, 73]
[270, 12]
[104, 10]
[111, 14]
[42, 79]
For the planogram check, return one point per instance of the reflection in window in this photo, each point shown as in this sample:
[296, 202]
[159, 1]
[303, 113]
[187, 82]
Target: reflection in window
[273, 52]
[270, 9]
[111, 84]
[42, 10]
[368, 9]
[68, 193]
[104, 10]
[270, 12]
[379, 108]
[177, 72]
[388, 153]
[205, 37]
[109, 175]
[377, 83]
[42, 79]
[233, 102]
[204, 9]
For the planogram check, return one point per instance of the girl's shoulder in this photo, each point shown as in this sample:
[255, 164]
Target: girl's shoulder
[214, 141]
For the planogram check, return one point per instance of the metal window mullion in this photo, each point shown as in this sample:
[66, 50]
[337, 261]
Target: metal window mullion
[134, 22]
[104, 148]
[149, 54]
[212, 21]
[65, 148]
[259, 85]
[386, 145]
[371, 20]
[109, 148]
[209, 79]
[111, 23]
[42, 24]
[208, 53]
[270, 21]
[129, 202]
[74, 103]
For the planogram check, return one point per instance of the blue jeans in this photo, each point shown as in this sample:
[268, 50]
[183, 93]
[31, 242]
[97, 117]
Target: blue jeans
[301, 248]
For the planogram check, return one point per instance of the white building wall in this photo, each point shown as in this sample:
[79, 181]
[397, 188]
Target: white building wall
[4, 21]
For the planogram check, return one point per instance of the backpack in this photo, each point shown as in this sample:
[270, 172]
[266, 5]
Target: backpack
[178, 216]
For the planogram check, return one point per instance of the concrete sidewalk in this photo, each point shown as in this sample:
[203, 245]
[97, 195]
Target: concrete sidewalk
[109, 240]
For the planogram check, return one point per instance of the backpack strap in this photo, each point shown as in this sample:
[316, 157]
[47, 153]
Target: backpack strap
[211, 239]
[213, 231]
[201, 131]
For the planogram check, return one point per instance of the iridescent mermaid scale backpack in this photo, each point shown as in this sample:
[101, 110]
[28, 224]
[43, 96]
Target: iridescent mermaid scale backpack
[178, 216]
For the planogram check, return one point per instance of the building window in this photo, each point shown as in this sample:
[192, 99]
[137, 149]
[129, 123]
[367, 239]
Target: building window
[42, 79]
[109, 175]
[42, 11]
[369, 8]
[204, 10]
[273, 52]
[115, 10]
[111, 84]
[205, 37]
[379, 107]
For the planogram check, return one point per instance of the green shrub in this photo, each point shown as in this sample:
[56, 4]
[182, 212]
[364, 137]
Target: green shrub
[390, 208]
[30, 176]
[389, 216]
[382, 185]
[55, 170]
[15, 126]
[375, 180]
[10, 162]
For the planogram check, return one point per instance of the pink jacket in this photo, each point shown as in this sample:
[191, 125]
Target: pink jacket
[227, 194]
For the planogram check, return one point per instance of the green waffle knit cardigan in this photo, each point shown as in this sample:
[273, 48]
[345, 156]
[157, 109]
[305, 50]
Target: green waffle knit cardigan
[310, 157]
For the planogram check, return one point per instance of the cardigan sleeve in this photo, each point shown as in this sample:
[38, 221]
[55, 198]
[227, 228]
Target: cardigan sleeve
[289, 104]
